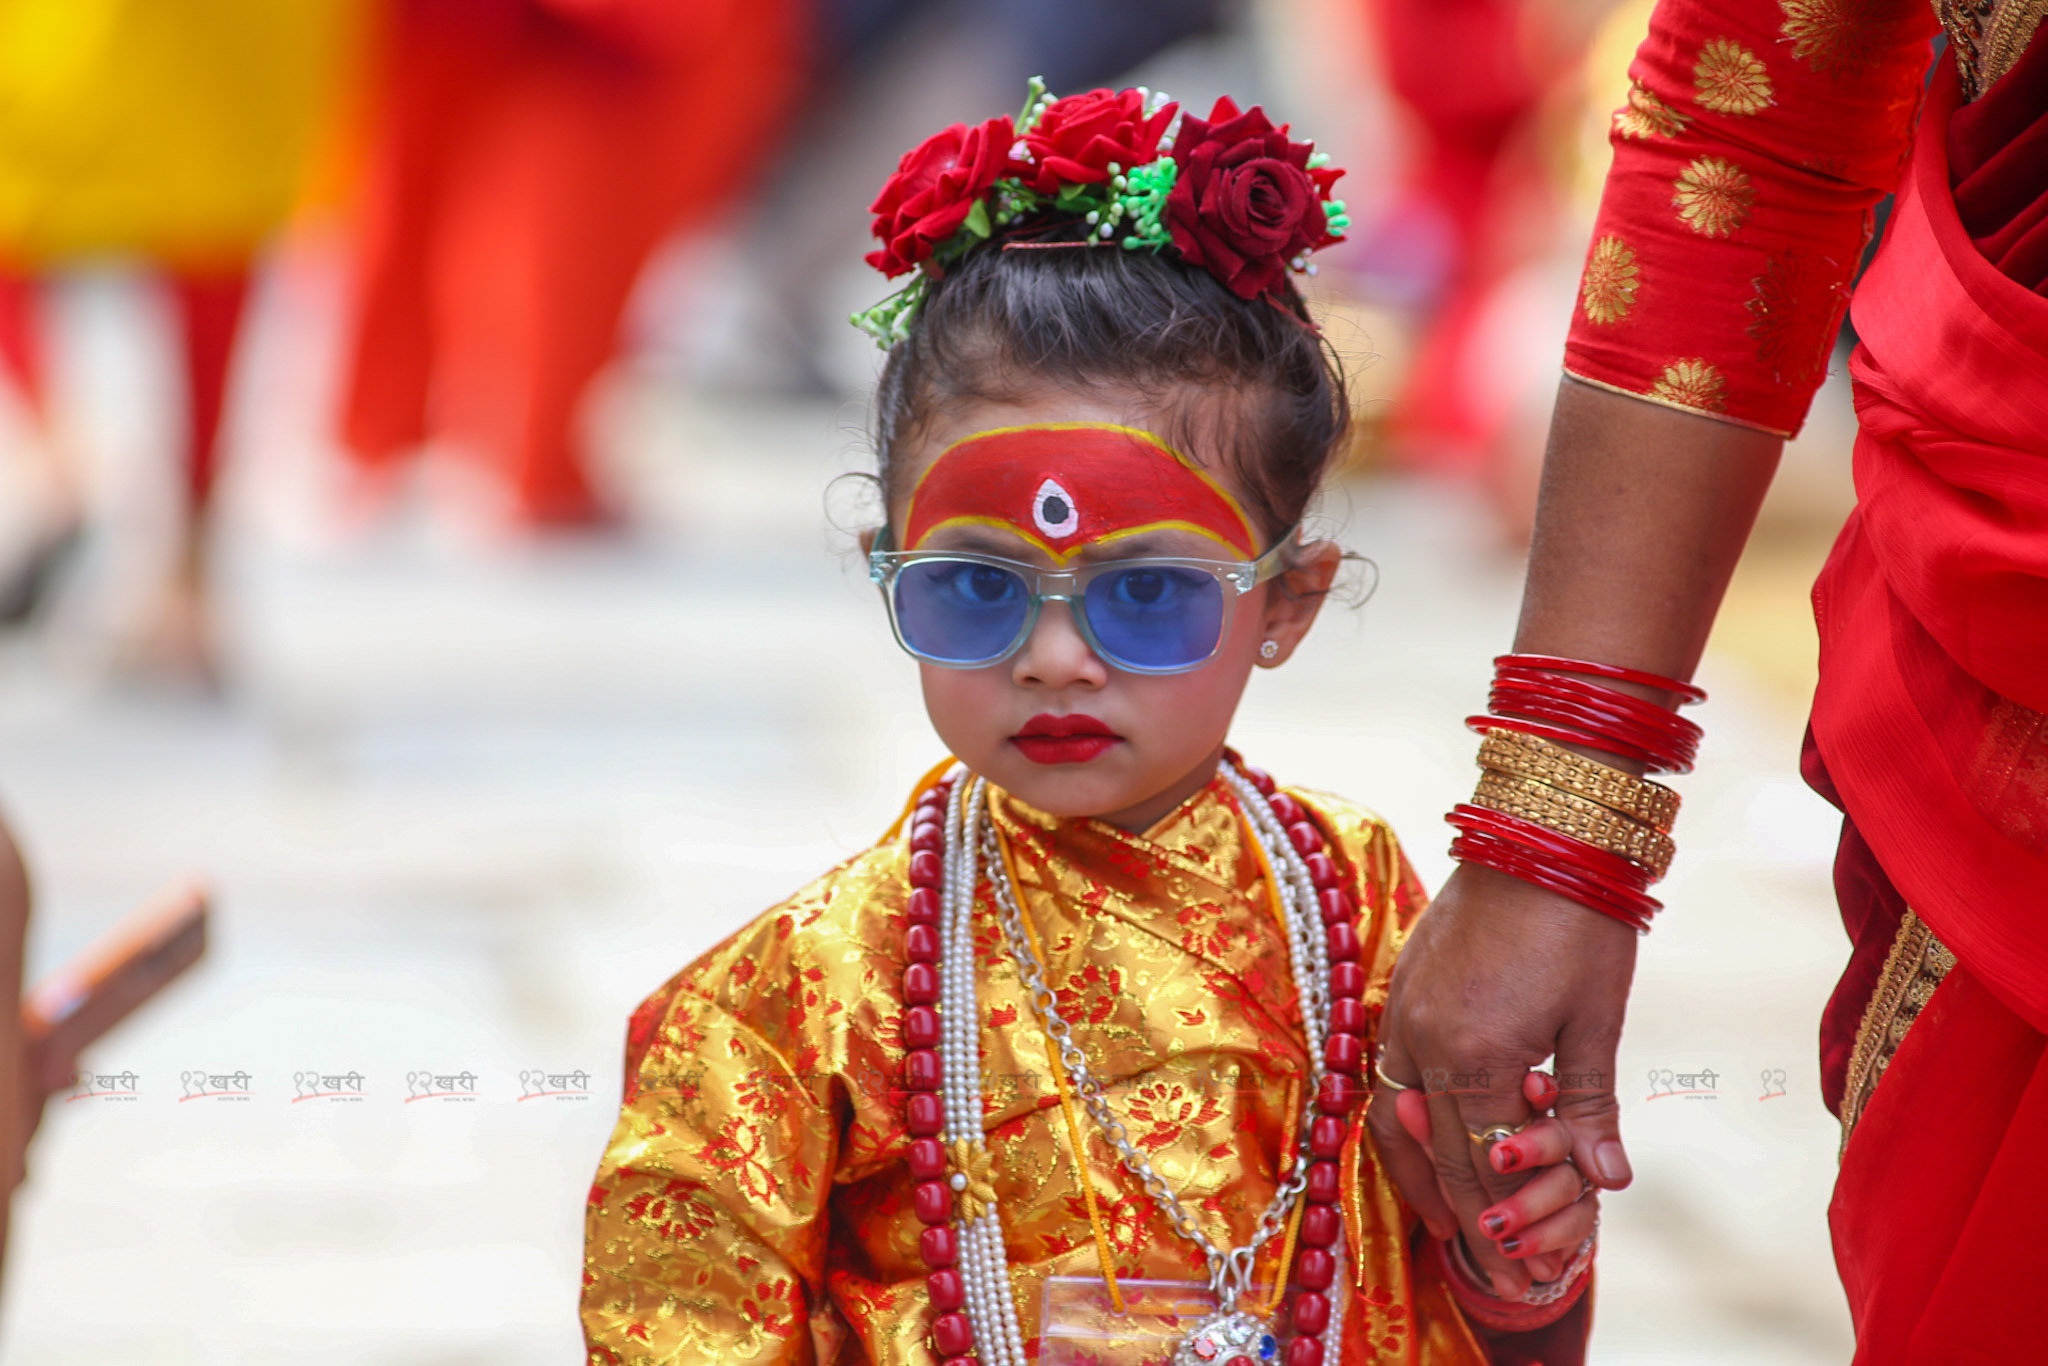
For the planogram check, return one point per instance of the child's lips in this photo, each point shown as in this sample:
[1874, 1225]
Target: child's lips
[1072, 739]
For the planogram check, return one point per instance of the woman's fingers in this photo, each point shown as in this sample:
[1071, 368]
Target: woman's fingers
[1413, 1112]
[1407, 1155]
[1548, 1192]
[1560, 1233]
[1542, 1143]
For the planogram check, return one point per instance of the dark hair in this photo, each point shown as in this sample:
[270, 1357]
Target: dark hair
[1005, 321]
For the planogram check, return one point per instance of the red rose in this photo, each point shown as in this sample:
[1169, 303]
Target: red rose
[936, 185]
[1244, 203]
[1076, 139]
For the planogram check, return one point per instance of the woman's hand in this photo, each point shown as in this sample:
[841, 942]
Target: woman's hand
[1498, 976]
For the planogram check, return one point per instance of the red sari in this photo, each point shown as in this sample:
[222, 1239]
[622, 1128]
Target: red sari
[1933, 614]
[1757, 136]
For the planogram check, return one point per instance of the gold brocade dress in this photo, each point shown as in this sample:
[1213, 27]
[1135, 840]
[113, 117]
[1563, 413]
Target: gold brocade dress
[754, 1202]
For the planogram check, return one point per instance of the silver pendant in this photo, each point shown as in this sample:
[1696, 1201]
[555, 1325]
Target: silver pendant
[1230, 1338]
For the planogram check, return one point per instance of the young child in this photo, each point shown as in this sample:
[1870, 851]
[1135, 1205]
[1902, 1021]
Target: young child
[1069, 1068]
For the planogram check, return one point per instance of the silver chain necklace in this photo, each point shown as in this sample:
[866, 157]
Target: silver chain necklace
[1230, 1270]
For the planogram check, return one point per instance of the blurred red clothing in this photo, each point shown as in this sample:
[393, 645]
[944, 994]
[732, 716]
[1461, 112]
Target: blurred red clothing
[1481, 169]
[526, 158]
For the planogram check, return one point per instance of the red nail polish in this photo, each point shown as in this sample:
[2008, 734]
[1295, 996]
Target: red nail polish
[1511, 1245]
[1506, 1157]
[1494, 1224]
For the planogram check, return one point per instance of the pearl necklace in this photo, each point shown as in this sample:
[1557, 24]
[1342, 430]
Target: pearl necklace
[968, 1281]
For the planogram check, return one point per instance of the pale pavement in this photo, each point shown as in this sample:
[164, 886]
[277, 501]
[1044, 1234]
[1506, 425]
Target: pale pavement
[464, 808]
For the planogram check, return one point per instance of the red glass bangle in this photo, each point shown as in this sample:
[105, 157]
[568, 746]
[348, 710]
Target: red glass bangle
[1686, 693]
[1593, 877]
[1561, 685]
[1606, 726]
[1633, 910]
[1509, 856]
[1601, 702]
[1500, 858]
[1683, 735]
[1541, 839]
[1634, 898]
[1503, 1316]
[1602, 730]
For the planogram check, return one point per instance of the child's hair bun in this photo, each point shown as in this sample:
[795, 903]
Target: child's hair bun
[1230, 194]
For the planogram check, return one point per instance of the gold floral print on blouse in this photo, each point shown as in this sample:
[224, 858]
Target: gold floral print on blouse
[754, 1203]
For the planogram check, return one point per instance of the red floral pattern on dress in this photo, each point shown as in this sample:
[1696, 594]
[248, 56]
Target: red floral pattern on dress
[677, 1212]
[1170, 1110]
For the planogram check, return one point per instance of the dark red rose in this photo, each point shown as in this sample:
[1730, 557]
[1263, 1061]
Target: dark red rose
[1245, 203]
[1076, 139]
[936, 185]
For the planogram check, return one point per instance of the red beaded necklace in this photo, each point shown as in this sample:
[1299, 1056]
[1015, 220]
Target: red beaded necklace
[1221, 1339]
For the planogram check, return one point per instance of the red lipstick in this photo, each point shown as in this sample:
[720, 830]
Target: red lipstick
[1074, 739]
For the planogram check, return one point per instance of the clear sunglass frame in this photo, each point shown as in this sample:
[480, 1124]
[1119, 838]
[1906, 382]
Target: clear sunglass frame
[885, 565]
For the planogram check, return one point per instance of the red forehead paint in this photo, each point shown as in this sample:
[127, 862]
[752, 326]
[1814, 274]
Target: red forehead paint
[1066, 485]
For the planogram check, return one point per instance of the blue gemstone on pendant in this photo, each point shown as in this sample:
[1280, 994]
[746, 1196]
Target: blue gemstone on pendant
[1269, 1346]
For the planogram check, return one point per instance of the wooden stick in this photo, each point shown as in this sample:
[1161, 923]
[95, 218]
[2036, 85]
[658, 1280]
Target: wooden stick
[132, 962]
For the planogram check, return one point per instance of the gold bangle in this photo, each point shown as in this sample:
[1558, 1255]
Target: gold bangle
[1530, 756]
[1597, 825]
[1514, 788]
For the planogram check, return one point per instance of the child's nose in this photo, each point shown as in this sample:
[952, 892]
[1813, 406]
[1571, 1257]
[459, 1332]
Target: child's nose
[1056, 655]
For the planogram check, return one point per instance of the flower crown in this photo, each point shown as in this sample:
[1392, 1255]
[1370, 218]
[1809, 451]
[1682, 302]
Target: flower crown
[1229, 193]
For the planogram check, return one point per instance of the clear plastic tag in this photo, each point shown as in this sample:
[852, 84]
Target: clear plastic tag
[1078, 1326]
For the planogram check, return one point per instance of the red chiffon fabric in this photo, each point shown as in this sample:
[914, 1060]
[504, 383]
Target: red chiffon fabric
[1933, 616]
[1934, 657]
[1997, 147]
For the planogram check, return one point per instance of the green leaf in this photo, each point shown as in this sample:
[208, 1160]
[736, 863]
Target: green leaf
[977, 219]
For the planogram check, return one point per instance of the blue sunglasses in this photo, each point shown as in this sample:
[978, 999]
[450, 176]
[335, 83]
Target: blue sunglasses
[1157, 615]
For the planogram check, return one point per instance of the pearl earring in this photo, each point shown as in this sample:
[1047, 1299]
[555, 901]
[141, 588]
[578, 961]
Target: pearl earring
[1269, 649]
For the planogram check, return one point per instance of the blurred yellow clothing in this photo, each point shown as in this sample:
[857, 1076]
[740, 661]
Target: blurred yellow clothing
[175, 129]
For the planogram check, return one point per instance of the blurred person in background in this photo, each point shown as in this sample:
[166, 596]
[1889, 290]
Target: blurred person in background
[1757, 139]
[171, 132]
[525, 157]
[1484, 199]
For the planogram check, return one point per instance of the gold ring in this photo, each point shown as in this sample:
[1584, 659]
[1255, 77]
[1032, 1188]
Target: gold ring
[1380, 1075]
[1494, 1133]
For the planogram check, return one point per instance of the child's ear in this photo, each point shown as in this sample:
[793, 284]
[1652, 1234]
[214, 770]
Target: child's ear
[867, 540]
[1296, 597]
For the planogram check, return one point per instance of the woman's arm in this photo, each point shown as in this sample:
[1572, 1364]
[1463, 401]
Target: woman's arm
[1643, 513]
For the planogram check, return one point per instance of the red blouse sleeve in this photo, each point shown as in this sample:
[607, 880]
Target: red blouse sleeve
[1757, 138]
